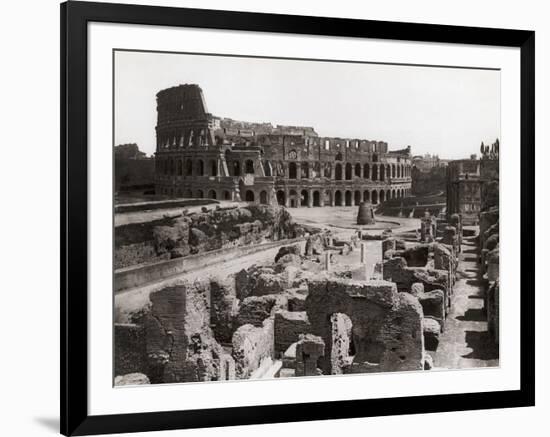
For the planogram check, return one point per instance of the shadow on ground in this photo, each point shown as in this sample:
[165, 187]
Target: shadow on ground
[483, 347]
[473, 315]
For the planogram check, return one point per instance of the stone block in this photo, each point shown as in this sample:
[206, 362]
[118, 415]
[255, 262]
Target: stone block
[431, 329]
[288, 327]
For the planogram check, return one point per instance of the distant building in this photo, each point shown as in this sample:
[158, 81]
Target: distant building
[199, 155]
[133, 169]
[466, 178]
[427, 162]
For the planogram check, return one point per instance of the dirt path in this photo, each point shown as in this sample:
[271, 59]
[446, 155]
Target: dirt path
[466, 342]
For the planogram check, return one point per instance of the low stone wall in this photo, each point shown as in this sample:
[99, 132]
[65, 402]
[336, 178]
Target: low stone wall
[131, 277]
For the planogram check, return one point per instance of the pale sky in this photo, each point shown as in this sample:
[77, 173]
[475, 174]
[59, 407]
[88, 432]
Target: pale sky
[444, 111]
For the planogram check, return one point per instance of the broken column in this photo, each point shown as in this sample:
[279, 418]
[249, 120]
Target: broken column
[308, 351]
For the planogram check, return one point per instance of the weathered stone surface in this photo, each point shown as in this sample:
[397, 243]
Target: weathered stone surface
[314, 245]
[341, 343]
[443, 258]
[130, 354]
[431, 329]
[493, 258]
[386, 325]
[416, 256]
[493, 311]
[131, 379]
[365, 214]
[285, 250]
[417, 289]
[288, 327]
[433, 304]
[223, 309]
[251, 345]
[255, 309]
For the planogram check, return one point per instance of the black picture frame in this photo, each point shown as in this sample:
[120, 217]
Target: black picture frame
[75, 16]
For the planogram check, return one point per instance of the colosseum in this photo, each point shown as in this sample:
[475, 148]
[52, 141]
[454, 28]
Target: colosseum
[199, 155]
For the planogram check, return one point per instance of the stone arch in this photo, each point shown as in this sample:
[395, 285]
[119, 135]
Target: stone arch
[338, 156]
[213, 168]
[263, 197]
[328, 170]
[366, 171]
[226, 195]
[393, 194]
[328, 197]
[348, 171]
[188, 167]
[338, 174]
[304, 198]
[292, 171]
[393, 170]
[180, 167]
[200, 194]
[382, 172]
[374, 197]
[358, 170]
[348, 198]
[374, 172]
[382, 196]
[357, 197]
[249, 196]
[249, 166]
[200, 167]
[366, 196]
[172, 167]
[281, 198]
[293, 198]
[304, 170]
[212, 194]
[338, 198]
[268, 169]
[316, 198]
[236, 168]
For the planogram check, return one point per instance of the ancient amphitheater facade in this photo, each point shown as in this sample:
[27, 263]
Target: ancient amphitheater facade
[202, 156]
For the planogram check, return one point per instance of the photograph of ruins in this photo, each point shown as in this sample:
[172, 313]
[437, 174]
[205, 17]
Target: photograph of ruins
[274, 238]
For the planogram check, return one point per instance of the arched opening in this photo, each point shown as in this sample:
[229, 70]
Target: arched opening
[188, 168]
[249, 166]
[328, 197]
[338, 156]
[292, 170]
[187, 194]
[263, 197]
[200, 168]
[180, 167]
[382, 196]
[211, 194]
[402, 192]
[226, 195]
[338, 198]
[374, 172]
[267, 169]
[304, 170]
[172, 167]
[293, 198]
[213, 168]
[338, 175]
[357, 197]
[398, 171]
[281, 197]
[249, 196]
[348, 198]
[348, 171]
[358, 170]
[382, 172]
[374, 157]
[304, 198]
[393, 194]
[328, 170]
[366, 196]
[200, 194]
[374, 197]
[366, 171]
[316, 198]
[236, 168]
[393, 170]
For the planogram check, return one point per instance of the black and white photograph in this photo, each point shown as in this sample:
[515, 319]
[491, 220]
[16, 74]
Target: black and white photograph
[289, 217]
